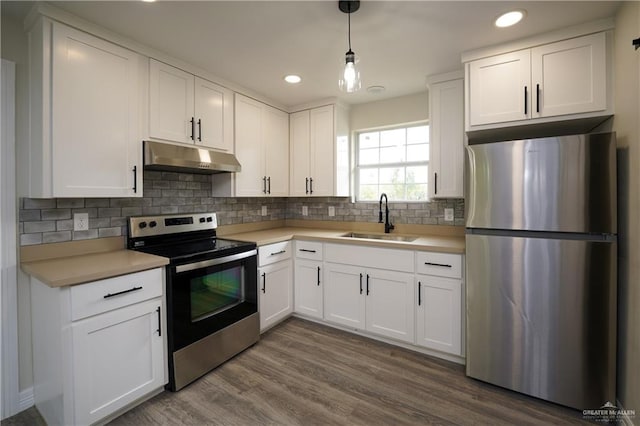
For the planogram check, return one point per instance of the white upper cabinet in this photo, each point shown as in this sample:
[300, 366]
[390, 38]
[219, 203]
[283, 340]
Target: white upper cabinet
[262, 148]
[84, 102]
[446, 138]
[569, 77]
[549, 82]
[312, 134]
[188, 109]
[498, 88]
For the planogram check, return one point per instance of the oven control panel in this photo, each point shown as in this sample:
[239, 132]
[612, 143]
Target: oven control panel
[147, 226]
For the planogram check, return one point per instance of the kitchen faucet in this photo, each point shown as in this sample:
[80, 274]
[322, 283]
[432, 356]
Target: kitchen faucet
[388, 226]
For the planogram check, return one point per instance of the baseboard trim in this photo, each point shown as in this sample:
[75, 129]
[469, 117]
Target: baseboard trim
[25, 399]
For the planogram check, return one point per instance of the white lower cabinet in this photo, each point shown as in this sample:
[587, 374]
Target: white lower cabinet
[308, 288]
[439, 314]
[275, 283]
[98, 347]
[374, 300]
[119, 358]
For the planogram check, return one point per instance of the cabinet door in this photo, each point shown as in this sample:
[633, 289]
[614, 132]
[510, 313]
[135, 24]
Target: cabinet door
[95, 117]
[308, 288]
[170, 103]
[390, 308]
[214, 115]
[497, 87]
[300, 153]
[118, 357]
[275, 294]
[440, 314]
[344, 299]
[276, 149]
[322, 163]
[446, 142]
[249, 148]
[570, 77]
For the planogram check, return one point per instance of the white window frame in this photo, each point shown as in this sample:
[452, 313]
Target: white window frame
[357, 167]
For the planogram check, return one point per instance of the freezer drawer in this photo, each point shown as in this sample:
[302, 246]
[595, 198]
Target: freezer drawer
[541, 317]
[559, 184]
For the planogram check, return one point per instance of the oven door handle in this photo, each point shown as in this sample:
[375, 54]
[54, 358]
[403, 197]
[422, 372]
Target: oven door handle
[212, 262]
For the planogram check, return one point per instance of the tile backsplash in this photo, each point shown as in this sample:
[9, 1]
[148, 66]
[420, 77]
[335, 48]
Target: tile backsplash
[44, 221]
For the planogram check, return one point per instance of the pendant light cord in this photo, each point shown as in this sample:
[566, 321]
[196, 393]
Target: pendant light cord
[349, 20]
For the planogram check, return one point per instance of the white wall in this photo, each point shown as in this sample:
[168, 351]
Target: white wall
[14, 48]
[390, 112]
[626, 124]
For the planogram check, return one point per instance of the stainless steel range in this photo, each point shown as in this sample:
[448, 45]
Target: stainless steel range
[212, 285]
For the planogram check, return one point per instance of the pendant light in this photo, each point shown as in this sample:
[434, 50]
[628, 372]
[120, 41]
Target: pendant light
[350, 76]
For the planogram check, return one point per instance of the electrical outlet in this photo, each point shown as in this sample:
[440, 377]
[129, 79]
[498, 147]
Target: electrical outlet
[81, 221]
[305, 211]
[448, 215]
[332, 211]
[264, 210]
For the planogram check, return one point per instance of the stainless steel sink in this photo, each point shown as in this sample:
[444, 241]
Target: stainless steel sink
[388, 237]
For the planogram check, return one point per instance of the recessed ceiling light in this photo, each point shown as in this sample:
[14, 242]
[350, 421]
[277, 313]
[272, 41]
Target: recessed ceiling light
[374, 90]
[149, 1]
[510, 18]
[292, 78]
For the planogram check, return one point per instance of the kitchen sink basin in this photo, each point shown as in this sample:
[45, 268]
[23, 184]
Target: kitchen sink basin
[387, 237]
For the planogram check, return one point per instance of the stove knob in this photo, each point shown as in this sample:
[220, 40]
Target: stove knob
[152, 224]
[209, 219]
[142, 225]
[202, 220]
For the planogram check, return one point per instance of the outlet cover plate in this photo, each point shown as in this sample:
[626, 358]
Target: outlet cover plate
[305, 211]
[332, 211]
[448, 215]
[81, 221]
[264, 210]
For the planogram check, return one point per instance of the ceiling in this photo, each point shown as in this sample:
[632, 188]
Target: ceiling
[256, 43]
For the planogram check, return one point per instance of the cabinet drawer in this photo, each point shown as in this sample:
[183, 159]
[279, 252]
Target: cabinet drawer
[274, 253]
[309, 250]
[439, 264]
[113, 293]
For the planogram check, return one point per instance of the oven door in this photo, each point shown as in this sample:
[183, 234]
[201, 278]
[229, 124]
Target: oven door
[205, 296]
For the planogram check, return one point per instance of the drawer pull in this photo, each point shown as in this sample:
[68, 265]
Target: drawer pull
[307, 250]
[443, 265]
[278, 252]
[122, 292]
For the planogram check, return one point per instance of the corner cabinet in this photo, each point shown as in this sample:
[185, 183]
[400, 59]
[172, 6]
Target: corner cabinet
[568, 79]
[99, 348]
[85, 114]
[275, 283]
[262, 148]
[312, 136]
[446, 136]
[189, 109]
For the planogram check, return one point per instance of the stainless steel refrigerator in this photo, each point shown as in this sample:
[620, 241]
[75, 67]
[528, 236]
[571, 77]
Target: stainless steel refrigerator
[541, 258]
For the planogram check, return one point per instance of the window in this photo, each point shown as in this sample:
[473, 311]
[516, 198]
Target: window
[393, 161]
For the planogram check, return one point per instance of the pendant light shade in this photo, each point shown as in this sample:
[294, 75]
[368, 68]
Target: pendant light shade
[349, 80]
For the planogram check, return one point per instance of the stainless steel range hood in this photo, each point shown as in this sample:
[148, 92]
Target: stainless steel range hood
[191, 159]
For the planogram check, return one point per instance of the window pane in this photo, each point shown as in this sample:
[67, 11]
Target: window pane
[394, 192]
[417, 174]
[369, 156]
[416, 192]
[368, 192]
[368, 176]
[392, 175]
[395, 137]
[418, 152]
[393, 154]
[369, 140]
[419, 134]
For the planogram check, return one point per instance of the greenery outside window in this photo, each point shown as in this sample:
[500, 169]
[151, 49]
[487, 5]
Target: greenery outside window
[394, 161]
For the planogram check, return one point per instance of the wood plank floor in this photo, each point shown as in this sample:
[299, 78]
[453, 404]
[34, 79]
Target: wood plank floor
[302, 373]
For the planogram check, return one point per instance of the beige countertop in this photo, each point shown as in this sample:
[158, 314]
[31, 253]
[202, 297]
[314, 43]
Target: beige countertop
[438, 243]
[72, 268]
